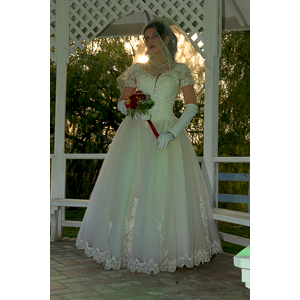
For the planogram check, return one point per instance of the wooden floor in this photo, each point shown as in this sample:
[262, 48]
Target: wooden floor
[75, 276]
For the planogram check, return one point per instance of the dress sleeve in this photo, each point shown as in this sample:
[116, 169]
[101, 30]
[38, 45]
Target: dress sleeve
[131, 82]
[131, 77]
[185, 76]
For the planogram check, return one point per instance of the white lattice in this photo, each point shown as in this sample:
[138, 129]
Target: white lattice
[52, 28]
[189, 15]
[88, 18]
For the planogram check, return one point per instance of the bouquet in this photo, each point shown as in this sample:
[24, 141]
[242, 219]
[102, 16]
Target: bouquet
[140, 103]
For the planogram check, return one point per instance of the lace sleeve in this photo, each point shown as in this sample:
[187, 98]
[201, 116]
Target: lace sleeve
[132, 75]
[128, 78]
[131, 82]
[185, 76]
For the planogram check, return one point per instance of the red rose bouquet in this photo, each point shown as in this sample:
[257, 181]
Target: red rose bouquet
[140, 103]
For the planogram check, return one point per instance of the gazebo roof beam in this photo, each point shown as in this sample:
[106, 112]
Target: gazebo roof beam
[237, 12]
[236, 15]
[244, 7]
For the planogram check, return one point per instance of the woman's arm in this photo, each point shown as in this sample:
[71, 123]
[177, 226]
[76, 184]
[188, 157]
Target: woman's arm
[189, 112]
[127, 91]
[189, 94]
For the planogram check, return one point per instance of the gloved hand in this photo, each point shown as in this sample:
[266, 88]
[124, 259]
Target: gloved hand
[164, 139]
[141, 117]
[186, 117]
[121, 107]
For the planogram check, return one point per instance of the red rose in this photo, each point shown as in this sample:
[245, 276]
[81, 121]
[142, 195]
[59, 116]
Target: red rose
[131, 102]
[140, 95]
[134, 102]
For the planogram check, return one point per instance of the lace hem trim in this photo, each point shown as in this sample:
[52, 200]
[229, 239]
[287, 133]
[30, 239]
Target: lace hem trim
[200, 256]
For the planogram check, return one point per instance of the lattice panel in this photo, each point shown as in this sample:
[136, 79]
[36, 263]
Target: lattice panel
[88, 18]
[189, 15]
[52, 28]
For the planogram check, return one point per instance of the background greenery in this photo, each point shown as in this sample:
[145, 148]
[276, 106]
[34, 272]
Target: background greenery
[92, 117]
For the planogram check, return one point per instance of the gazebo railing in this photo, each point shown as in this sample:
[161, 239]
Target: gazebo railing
[227, 215]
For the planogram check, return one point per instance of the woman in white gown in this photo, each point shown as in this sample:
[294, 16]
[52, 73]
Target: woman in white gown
[149, 210]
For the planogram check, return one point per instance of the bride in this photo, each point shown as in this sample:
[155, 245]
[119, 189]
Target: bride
[149, 210]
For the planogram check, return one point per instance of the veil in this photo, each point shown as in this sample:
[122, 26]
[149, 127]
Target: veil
[162, 45]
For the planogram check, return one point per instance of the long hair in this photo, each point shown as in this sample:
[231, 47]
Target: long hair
[164, 31]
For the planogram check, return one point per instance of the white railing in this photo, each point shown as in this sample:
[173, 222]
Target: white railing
[95, 156]
[231, 177]
[229, 215]
[85, 155]
[228, 159]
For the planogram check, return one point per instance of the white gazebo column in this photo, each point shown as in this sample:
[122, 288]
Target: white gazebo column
[213, 35]
[61, 59]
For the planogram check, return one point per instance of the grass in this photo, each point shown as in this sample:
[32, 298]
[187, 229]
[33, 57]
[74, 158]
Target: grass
[73, 214]
[76, 214]
[231, 248]
[234, 229]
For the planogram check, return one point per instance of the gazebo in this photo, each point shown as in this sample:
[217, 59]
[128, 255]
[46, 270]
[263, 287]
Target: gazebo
[74, 23]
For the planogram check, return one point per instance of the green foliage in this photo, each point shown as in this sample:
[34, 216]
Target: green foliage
[231, 248]
[234, 111]
[234, 187]
[81, 177]
[234, 229]
[234, 91]
[52, 102]
[92, 117]
[144, 103]
[195, 129]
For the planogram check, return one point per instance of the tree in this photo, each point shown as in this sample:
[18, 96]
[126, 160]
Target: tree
[92, 117]
[234, 89]
[234, 109]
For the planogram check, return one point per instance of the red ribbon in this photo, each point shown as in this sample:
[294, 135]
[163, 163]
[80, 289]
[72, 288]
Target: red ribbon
[149, 122]
[153, 129]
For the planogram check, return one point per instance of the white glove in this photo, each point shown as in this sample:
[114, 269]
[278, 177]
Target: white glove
[121, 107]
[164, 139]
[186, 117]
[141, 117]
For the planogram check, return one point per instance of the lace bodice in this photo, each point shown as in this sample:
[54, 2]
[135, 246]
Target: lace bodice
[162, 89]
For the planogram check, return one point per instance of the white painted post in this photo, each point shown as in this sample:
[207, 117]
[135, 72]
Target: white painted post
[213, 35]
[59, 164]
[216, 183]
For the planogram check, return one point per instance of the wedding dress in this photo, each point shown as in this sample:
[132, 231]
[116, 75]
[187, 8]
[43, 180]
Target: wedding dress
[149, 210]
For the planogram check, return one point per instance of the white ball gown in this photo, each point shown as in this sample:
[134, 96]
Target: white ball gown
[149, 210]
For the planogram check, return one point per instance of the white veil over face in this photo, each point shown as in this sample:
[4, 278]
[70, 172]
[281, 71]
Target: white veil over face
[161, 46]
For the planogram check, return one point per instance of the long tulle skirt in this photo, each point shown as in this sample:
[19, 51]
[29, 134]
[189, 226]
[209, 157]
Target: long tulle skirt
[149, 210]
